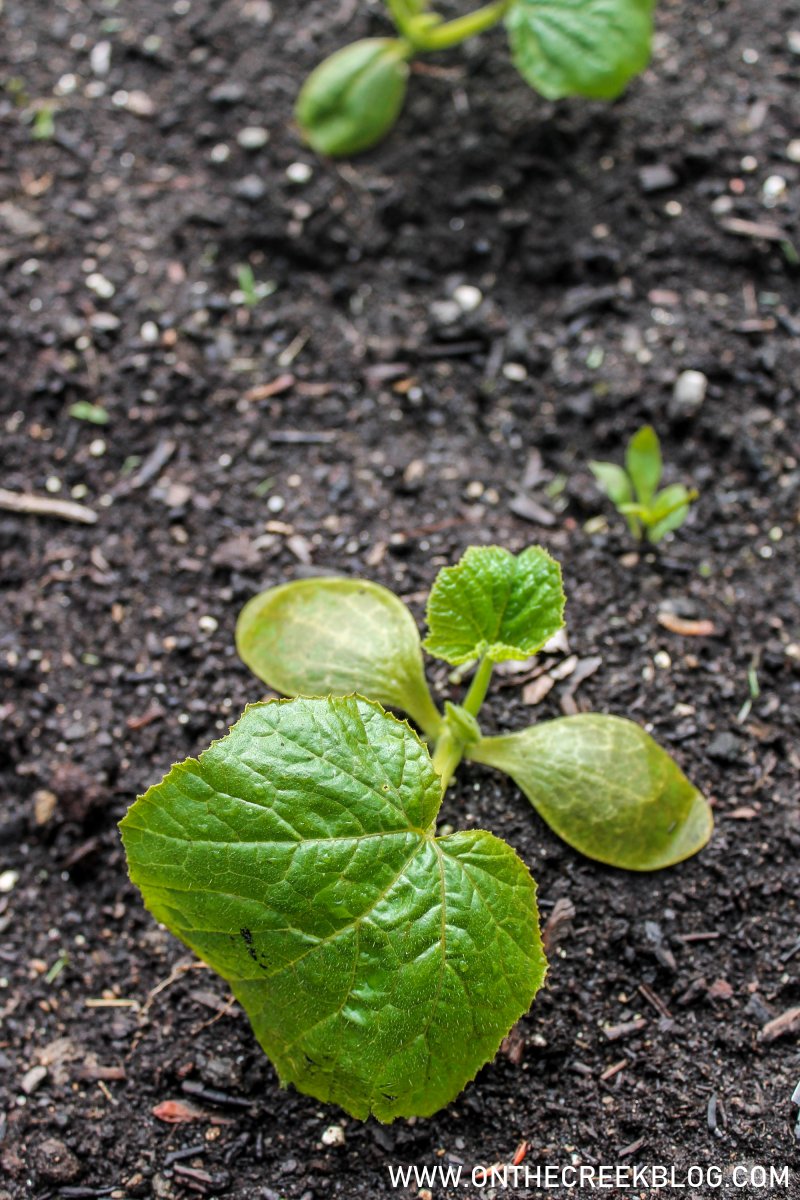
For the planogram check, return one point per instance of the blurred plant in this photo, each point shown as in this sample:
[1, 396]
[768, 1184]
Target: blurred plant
[633, 489]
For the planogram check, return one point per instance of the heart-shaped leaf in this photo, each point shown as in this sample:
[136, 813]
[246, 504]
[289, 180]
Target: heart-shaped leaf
[319, 637]
[380, 966]
[604, 786]
[580, 47]
[496, 604]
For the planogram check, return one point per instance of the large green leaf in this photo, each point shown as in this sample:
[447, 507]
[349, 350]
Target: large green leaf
[319, 637]
[380, 965]
[495, 604]
[580, 47]
[606, 788]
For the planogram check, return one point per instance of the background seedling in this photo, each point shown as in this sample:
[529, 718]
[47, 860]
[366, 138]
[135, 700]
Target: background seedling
[633, 489]
[589, 48]
[380, 964]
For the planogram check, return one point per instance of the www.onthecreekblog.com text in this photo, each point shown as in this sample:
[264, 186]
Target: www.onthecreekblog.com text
[593, 1178]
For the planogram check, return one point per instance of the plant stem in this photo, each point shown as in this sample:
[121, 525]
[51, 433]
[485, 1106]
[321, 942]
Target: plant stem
[427, 32]
[446, 757]
[479, 687]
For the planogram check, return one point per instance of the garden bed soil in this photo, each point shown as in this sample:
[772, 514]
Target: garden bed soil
[356, 420]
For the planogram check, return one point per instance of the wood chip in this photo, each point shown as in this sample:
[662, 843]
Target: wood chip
[720, 989]
[613, 1070]
[529, 509]
[686, 628]
[624, 1029]
[175, 1112]
[787, 1023]
[754, 229]
[276, 387]
[535, 692]
[46, 506]
[557, 923]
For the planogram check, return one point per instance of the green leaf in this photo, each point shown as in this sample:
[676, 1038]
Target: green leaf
[83, 410]
[380, 966]
[320, 637]
[580, 47]
[643, 462]
[495, 604]
[614, 481]
[669, 510]
[352, 99]
[604, 786]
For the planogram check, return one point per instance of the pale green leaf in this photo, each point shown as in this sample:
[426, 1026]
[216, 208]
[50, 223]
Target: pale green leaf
[607, 788]
[496, 604]
[614, 481]
[643, 462]
[380, 966]
[319, 637]
[669, 511]
[580, 47]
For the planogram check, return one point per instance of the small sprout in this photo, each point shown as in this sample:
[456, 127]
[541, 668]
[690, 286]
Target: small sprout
[589, 48]
[95, 414]
[252, 293]
[44, 124]
[381, 962]
[633, 489]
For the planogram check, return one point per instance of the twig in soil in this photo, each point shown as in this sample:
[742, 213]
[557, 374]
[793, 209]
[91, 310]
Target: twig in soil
[656, 1001]
[173, 977]
[633, 1148]
[46, 506]
[224, 1010]
[699, 937]
[213, 1096]
[754, 229]
[111, 1002]
[613, 1070]
[155, 461]
[187, 1152]
[299, 437]
[615, 1032]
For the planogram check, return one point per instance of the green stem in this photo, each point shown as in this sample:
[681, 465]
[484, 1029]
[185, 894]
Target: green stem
[427, 32]
[446, 757]
[479, 687]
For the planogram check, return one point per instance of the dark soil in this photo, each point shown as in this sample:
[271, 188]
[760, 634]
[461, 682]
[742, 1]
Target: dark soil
[392, 439]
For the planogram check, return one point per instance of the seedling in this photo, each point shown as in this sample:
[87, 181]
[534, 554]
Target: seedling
[589, 48]
[381, 964]
[633, 490]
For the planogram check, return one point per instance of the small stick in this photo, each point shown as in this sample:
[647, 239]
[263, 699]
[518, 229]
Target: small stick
[46, 506]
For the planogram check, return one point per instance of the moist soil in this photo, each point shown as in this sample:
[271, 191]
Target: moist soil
[359, 419]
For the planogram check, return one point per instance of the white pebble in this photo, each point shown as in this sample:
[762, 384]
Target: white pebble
[515, 371]
[793, 40]
[299, 172]
[275, 504]
[773, 190]
[101, 286]
[140, 104]
[100, 58]
[97, 448]
[219, 153]
[467, 297]
[793, 150]
[208, 624]
[149, 333]
[333, 1136]
[252, 137]
[662, 660]
[8, 881]
[690, 389]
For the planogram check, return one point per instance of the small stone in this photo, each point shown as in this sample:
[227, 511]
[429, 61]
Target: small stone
[177, 495]
[208, 624]
[773, 190]
[53, 1161]
[793, 150]
[220, 153]
[299, 172]
[657, 178]
[250, 188]
[103, 322]
[725, 747]
[252, 137]
[793, 40]
[468, 298]
[100, 58]
[140, 104]
[333, 1136]
[8, 881]
[445, 312]
[149, 333]
[690, 390]
[515, 372]
[32, 1078]
[101, 286]
[229, 92]
[19, 222]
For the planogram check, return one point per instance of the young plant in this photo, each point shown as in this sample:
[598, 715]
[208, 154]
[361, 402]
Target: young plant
[380, 963]
[589, 48]
[633, 490]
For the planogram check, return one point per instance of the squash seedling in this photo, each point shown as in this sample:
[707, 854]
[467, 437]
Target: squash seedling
[633, 489]
[381, 963]
[589, 48]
